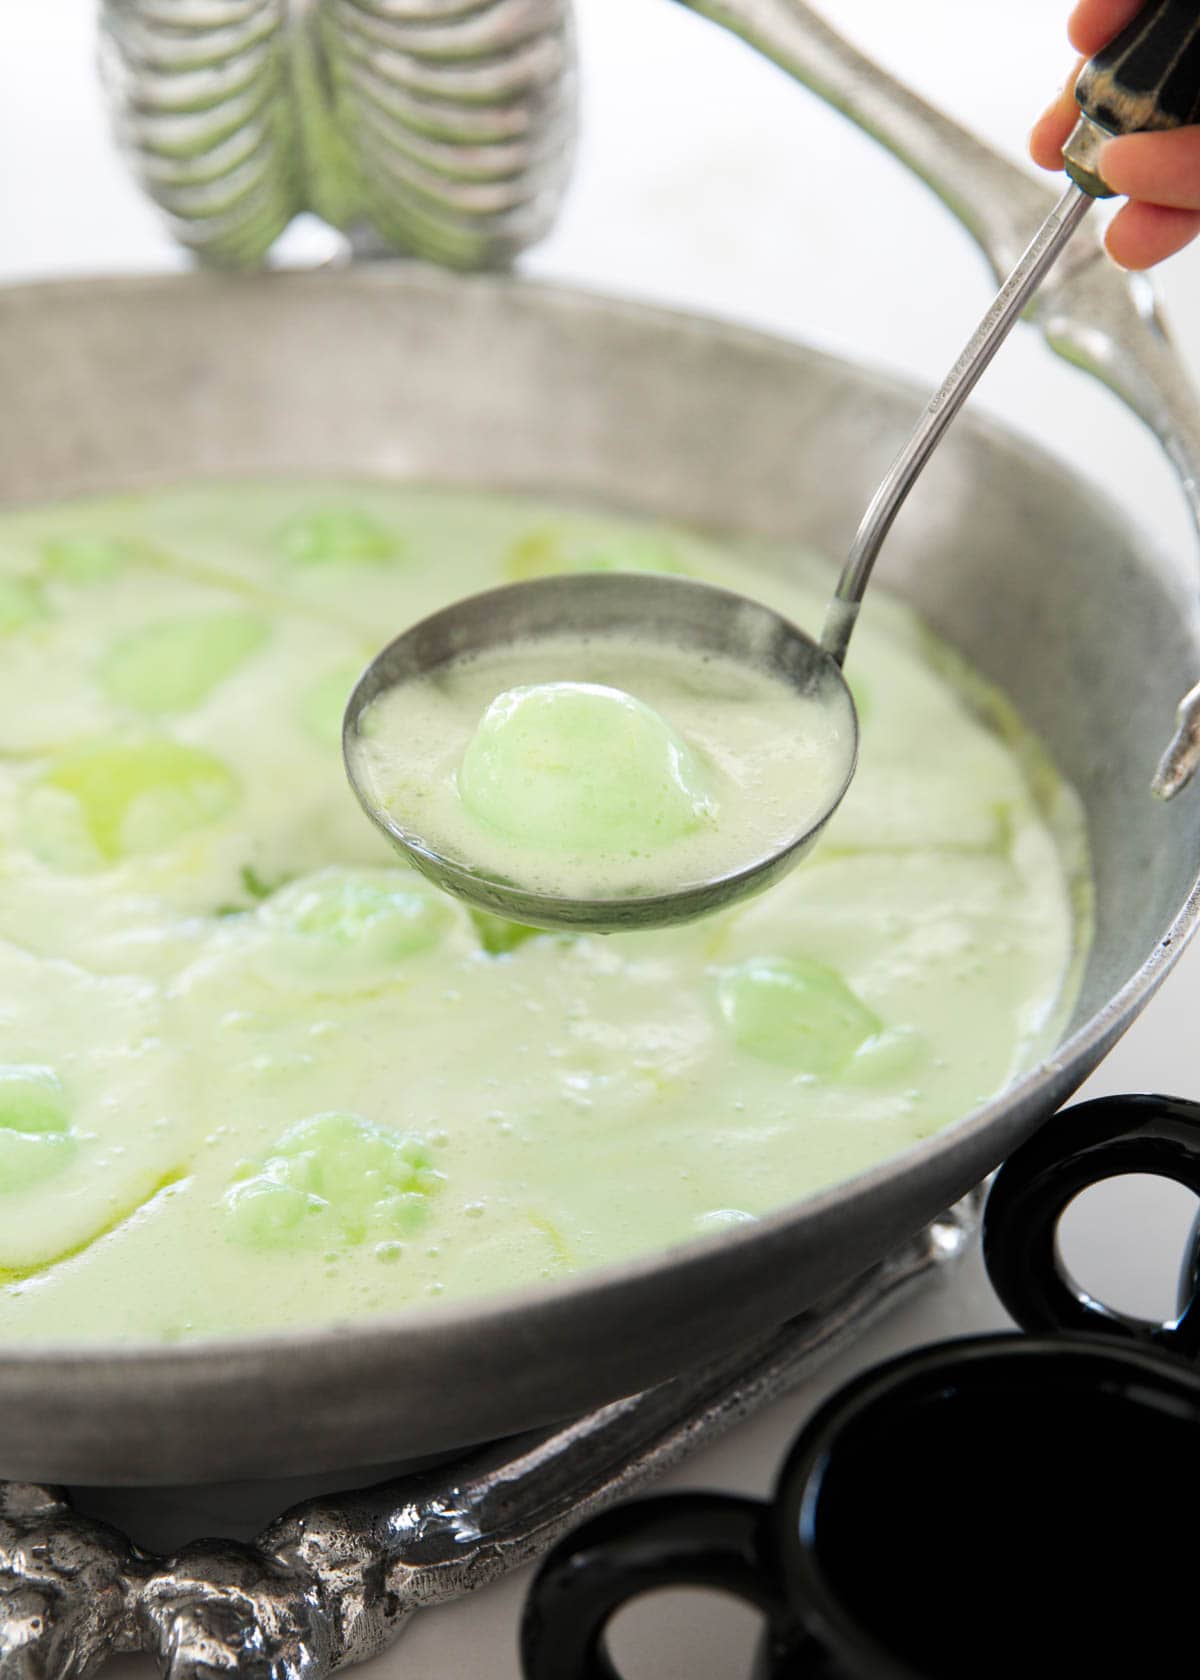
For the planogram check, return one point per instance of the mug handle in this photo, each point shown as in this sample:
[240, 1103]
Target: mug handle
[1079, 1147]
[687, 1539]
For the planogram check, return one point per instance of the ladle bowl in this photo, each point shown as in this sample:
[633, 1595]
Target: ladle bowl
[635, 607]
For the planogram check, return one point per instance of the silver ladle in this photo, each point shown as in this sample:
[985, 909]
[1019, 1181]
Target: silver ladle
[1148, 77]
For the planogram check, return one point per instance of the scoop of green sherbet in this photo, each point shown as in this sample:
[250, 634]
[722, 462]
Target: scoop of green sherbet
[360, 917]
[580, 766]
[111, 799]
[333, 1178]
[176, 663]
[796, 1012]
[35, 1138]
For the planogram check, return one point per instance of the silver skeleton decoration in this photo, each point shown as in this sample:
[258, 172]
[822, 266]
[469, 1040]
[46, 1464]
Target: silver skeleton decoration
[334, 1580]
[444, 129]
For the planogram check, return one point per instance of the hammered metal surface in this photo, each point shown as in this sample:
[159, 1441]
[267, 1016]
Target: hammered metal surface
[442, 128]
[334, 1580]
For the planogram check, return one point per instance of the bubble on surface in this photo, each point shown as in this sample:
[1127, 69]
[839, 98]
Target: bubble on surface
[795, 1012]
[582, 767]
[114, 799]
[35, 1139]
[176, 663]
[338, 536]
[723, 1219]
[334, 1179]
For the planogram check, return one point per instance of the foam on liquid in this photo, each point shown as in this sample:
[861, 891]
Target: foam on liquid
[256, 1072]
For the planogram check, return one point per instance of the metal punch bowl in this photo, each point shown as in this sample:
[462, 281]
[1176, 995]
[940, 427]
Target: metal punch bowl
[403, 372]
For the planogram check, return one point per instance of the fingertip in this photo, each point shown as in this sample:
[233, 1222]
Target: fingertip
[1122, 250]
[1093, 23]
[1045, 145]
[1049, 133]
[1142, 235]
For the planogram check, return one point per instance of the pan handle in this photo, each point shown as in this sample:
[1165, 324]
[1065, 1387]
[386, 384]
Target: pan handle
[1088, 311]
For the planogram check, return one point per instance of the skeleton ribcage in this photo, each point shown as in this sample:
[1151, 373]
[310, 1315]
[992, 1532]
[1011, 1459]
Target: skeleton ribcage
[441, 127]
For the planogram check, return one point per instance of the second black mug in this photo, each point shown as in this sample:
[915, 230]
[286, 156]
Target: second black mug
[996, 1506]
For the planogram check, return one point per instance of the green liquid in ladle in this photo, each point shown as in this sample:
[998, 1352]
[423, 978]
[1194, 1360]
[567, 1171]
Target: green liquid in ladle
[597, 768]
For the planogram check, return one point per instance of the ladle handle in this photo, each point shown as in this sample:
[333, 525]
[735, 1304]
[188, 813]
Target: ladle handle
[842, 613]
[1147, 77]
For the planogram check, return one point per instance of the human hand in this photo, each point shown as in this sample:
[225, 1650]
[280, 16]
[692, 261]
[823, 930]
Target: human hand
[1159, 173]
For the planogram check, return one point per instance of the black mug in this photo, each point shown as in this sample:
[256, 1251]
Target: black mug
[995, 1506]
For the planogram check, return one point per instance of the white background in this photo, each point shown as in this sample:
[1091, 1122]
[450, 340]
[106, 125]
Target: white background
[709, 181]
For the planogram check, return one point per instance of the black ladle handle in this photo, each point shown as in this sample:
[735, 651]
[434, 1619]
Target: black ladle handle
[1079, 1147]
[1147, 77]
